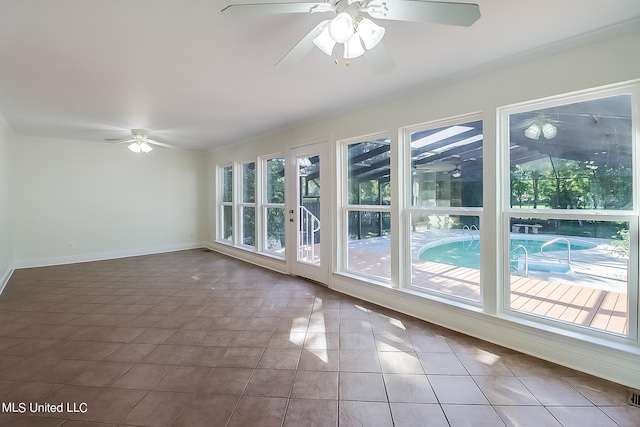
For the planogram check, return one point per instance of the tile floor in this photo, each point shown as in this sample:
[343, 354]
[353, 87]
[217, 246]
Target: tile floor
[194, 338]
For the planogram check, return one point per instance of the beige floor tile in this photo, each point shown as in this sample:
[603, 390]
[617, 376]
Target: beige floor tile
[505, 391]
[262, 411]
[142, 376]
[415, 414]
[409, 388]
[370, 414]
[270, 383]
[207, 410]
[457, 390]
[359, 361]
[625, 416]
[362, 386]
[228, 381]
[101, 374]
[581, 417]
[157, 409]
[526, 416]
[472, 416]
[552, 391]
[315, 385]
[311, 413]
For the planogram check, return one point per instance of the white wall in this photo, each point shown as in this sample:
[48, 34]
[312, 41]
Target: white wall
[6, 257]
[572, 66]
[76, 201]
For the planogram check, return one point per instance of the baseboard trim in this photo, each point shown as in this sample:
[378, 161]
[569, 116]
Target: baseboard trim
[5, 278]
[272, 263]
[102, 256]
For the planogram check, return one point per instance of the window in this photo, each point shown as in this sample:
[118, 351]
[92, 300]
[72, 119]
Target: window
[570, 209]
[273, 206]
[367, 215]
[226, 205]
[248, 205]
[445, 206]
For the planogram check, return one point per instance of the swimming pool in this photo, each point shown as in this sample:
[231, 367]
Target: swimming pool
[464, 252]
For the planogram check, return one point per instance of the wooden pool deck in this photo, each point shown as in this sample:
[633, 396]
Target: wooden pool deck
[596, 308]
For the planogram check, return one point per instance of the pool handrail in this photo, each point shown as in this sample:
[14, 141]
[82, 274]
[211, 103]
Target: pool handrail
[558, 239]
[526, 259]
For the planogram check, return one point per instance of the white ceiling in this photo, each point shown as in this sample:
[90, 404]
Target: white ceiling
[89, 70]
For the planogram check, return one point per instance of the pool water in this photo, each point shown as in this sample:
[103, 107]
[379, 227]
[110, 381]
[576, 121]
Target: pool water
[466, 253]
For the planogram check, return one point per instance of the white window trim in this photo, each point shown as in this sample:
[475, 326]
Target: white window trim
[221, 204]
[630, 216]
[408, 210]
[241, 205]
[264, 205]
[344, 208]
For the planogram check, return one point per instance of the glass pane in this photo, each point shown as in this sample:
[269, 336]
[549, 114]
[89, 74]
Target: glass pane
[369, 249]
[447, 166]
[227, 222]
[309, 209]
[369, 172]
[275, 181]
[571, 270]
[249, 225]
[275, 219]
[445, 254]
[249, 182]
[227, 184]
[574, 156]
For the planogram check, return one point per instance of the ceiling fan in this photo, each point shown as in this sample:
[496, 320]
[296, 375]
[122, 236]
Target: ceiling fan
[141, 143]
[357, 33]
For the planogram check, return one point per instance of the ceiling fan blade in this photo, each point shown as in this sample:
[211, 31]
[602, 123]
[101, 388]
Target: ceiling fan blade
[160, 144]
[121, 141]
[276, 8]
[379, 59]
[462, 14]
[303, 47]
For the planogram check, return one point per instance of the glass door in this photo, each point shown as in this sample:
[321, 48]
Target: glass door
[308, 214]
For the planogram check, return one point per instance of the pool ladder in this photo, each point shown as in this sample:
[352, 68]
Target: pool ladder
[526, 260]
[466, 228]
[545, 244]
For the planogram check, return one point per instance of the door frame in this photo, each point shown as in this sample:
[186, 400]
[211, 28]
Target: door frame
[319, 273]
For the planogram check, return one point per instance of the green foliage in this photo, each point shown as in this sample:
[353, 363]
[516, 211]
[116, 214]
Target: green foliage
[621, 243]
[275, 194]
[568, 184]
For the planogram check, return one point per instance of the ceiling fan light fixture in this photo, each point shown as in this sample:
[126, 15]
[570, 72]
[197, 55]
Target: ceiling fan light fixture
[533, 132]
[370, 32]
[341, 28]
[325, 42]
[353, 48]
[549, 131]
[145, 147]
[135, 147]
[456, 173]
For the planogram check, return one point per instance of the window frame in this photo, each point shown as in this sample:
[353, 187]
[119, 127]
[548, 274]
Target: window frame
[345, 207]
[265, 205]
[222, 204]
[409, 210]
[242, 205]
[506, 212]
